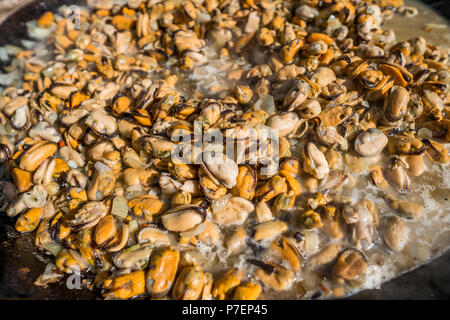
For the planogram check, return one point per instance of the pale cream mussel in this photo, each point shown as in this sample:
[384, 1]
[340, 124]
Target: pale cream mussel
[35, 198]
[231, 211]
[336, 115]
[29, 220]
[158, 146]
[147, 97]
[296, 95]
[43, 130]
[318, 47]
[323, 76]
[370, 142]
[135, 257]
[68, 118]
[334, 158]
[407, 209]
[20, 120]
[431, 100]
[300, 83]
[102, 123]
[44, 173]
[396, 105]
[88, 216]
[76, 178]
[50, 275]
[396, 173]
[273, 275]
[129, 129]
[89, 138]
[325, 255]
[103, 182]
[98, 151]
[188, 220]
[75, 134]
[15, 103]
[333, 181]
[405, 144]
[62, 90]
[220, 169]
[131, 158]
[226, 283]
[73, 158]
[197, 56]
[288, 124]
[110, 89]
[363, 221]
[267, 167]
[269, 230]
[168, 185]
[309, 109]
[286, 72]
[314, 161]
[329, 136]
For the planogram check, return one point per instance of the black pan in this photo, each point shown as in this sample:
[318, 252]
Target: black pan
[431, 281]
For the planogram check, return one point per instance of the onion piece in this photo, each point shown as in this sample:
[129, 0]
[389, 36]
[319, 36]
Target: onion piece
[37, 32]
[311, 241]
[120, 207]
[53, 247]
[219, 204]
[266, 103]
